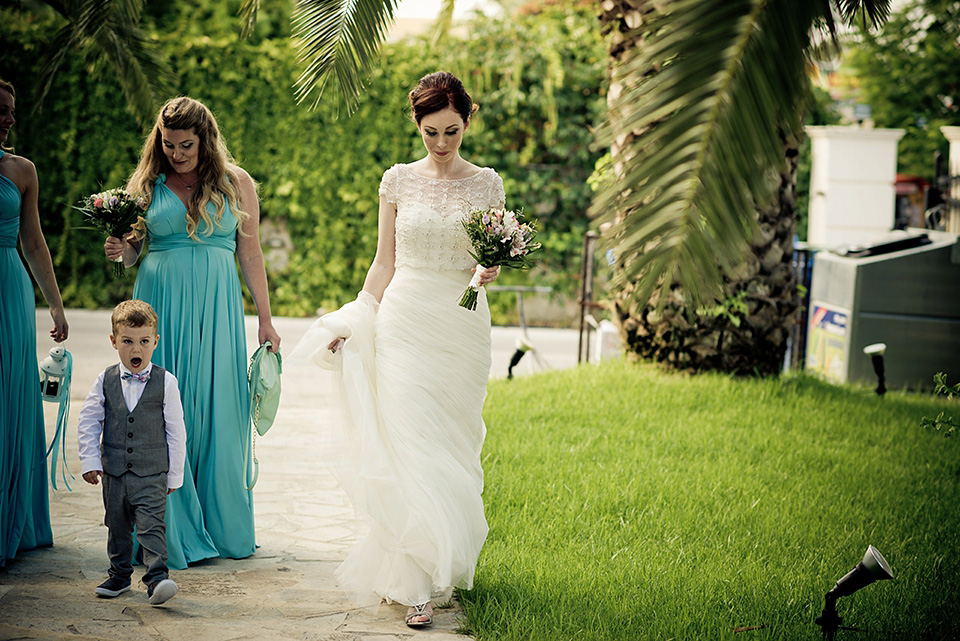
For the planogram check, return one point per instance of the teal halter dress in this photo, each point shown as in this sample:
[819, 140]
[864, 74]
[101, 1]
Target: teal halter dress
[24, 504]
[193, 285]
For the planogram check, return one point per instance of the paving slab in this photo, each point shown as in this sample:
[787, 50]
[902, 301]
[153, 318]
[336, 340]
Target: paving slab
[304, 525]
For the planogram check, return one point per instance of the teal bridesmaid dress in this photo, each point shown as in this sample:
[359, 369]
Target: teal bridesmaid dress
[193, 285]
[24, 503]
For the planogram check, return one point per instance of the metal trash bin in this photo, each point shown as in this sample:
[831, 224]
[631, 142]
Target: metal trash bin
[903, 291]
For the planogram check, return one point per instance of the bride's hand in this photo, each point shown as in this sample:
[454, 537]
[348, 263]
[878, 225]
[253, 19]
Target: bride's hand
[336, 344]
[489, 275]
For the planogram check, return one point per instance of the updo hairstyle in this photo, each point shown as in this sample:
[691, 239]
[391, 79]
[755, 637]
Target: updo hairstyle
[437, 91]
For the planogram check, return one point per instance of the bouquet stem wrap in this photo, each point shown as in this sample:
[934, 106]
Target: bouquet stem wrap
[469, 298]
[118, 267]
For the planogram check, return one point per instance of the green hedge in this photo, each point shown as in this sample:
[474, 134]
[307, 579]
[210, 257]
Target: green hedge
[538, 79]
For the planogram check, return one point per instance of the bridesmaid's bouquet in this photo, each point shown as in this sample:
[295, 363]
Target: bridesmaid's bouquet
[500, 237]
[112, 212]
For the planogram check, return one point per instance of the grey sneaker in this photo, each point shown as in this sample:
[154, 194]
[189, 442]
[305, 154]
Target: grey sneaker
[161, 591]
[113, 587]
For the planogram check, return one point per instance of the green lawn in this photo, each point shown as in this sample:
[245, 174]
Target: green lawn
[626, 503]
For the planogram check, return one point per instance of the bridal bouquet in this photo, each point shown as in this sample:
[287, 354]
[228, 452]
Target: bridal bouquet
[112, 212]
[500, 237]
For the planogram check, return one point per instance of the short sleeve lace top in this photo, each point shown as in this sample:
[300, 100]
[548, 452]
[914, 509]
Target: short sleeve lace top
[429, 233]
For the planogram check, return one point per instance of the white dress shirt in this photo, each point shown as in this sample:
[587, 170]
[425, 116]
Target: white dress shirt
[90, 426]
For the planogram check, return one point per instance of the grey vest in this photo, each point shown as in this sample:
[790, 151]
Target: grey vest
[134, 441]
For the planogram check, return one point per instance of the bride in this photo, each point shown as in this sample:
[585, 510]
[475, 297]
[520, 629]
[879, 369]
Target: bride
[412, 366]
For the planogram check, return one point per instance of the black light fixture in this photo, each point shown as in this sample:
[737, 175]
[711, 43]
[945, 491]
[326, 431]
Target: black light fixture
[522, 347]
[872, 568]
[875, 352]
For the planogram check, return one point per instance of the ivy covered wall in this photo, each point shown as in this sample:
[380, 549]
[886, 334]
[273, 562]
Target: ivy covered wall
[538, 78]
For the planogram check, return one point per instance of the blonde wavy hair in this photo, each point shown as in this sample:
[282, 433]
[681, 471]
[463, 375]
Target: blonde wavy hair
[216, 182]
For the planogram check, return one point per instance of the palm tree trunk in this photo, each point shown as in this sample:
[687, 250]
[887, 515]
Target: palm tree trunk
[745, 338]
[748, 332]
[621, 20]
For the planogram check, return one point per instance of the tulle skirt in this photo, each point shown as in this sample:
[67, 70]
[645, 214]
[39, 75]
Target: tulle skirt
[411, 438]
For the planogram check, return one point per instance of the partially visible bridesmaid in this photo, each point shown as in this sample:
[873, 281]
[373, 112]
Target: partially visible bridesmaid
[24, 504]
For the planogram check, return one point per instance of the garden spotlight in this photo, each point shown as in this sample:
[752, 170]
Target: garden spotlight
[875, 352]
[872, 568]
[522, 347]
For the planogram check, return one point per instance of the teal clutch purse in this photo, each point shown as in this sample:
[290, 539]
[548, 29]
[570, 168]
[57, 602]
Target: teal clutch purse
[263, 376]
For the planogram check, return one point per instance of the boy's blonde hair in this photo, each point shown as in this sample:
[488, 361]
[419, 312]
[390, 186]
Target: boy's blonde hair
[133, 313]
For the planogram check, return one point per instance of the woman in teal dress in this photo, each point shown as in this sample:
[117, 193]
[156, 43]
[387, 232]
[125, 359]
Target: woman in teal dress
[24, 505]
[203, 218]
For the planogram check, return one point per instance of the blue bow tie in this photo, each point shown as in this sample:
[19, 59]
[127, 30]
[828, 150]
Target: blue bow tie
[143, 377]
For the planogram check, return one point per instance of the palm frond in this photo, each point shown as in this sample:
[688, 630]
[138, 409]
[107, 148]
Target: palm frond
[876, 11]
[444, 22]
[60, 47]
[128, 11]
[143, 78]
[704, 104]
[248, 17]
[339, 38]
[108, 30]
[826, 17]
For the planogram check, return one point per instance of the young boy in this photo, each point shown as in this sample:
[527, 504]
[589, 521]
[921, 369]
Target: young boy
[131, 435]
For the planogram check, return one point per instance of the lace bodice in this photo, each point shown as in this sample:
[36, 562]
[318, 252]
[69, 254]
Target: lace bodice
[430, 211]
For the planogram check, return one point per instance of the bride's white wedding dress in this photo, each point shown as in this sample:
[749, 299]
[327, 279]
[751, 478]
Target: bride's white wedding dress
[413, 376]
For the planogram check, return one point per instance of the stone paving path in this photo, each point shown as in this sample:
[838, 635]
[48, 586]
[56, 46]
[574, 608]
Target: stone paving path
[304, 527]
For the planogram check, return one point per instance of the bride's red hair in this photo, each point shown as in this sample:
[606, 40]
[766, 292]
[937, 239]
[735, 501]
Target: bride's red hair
[437, 91]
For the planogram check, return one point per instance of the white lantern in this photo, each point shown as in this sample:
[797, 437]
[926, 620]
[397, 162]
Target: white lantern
[53, 371]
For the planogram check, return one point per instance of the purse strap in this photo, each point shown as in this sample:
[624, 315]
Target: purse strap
[254, 417]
